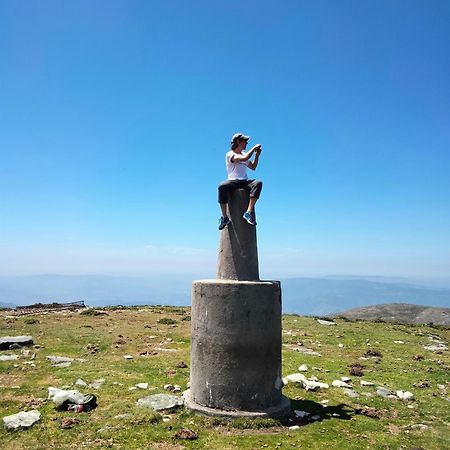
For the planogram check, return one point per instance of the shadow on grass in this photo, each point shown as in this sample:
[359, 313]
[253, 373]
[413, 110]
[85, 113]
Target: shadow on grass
[317, 412]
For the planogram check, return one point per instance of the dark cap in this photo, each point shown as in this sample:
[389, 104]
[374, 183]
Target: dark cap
[239, 137]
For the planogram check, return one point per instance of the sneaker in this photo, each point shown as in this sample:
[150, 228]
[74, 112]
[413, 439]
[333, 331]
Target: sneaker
[223, 222]
[250, 217]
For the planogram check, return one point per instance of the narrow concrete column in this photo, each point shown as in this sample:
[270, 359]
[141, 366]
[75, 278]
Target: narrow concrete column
[238, 251]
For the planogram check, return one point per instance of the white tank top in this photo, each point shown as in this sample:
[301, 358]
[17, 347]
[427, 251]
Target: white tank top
[235, 170]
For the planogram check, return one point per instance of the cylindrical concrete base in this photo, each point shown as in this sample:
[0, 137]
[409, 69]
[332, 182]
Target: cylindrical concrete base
[236, 348]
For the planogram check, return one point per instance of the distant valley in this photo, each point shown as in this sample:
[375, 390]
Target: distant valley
[305, 296]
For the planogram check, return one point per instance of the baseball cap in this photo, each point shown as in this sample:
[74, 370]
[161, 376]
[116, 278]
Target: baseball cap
[239, 137]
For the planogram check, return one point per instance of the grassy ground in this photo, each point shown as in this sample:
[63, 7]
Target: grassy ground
[369, 421]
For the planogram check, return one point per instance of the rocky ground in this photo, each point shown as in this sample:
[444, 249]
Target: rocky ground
[352, 385]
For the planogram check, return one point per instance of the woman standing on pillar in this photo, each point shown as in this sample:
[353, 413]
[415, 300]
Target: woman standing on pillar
[237, 161]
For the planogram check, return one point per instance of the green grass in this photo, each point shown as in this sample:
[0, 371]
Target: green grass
[119, 423]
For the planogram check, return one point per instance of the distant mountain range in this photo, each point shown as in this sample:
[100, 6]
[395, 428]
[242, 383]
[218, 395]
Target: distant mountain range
[306, 296]
[400, 312]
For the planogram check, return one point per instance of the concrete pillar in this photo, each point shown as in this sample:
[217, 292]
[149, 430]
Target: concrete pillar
[238, 250]
[236, 331]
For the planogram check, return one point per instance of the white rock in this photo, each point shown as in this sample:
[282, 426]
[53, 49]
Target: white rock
[439, 347]
[336, 415]
[314, 385]
[346, 379]
[8, 357]
[404, 395]
[398, 342]
[420, 426]
[366, 383]
[142, 385]
[326, 322]
[341, 345]
[128, 356]
[294, 427]
[301, 414]
[22, 419]
[341, 384]
[316, 417]
[80, 382]
[294, 378]
[303, 368]
[97, 384]
[60, 361]
[160, 401]
[132, 388]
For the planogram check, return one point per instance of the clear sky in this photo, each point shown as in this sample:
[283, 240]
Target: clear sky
[115, 117]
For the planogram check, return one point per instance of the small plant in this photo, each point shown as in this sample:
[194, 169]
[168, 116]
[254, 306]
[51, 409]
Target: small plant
[166, 321]
[93, 312]
[31, 321]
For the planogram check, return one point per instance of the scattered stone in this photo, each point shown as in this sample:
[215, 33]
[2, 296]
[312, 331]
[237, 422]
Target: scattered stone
[303, 368]
[159, 402]
[97, 384]
[187, 434]
[60, 361]
[326, 322]
[161, 349]
[436, 348]
[294, 378]
[420, 426]
[128, 356]
[306, 351]
[418, 358]
[23, 419]
[404, 395]
[350, 393]
[341, 345]
[314, 385]
[132, 388]
[181, 365]
[346, 379]
[336, 415]
[142, 385]
[366, 383]
[294, 427]
[341, 384]
[8, 357]
[383, 392]
[398, 342]
[68, 422]
[123, 416]
[9, 342]
[422, 384]
[80, 382]
[308, 385]
[301, 414]
[316, 417]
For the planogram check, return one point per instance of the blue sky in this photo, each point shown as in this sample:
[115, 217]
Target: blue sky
[115, 117]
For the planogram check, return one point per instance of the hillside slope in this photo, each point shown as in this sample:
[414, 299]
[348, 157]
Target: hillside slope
[400, 312]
